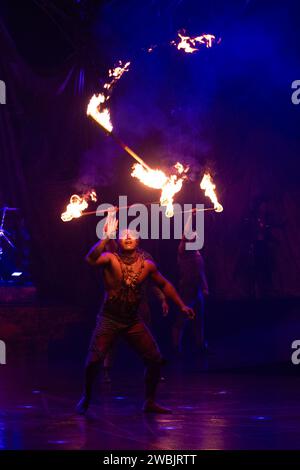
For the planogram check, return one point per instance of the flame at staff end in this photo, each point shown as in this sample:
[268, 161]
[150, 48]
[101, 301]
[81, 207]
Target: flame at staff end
[94, 110]
[77, 205]
[102, 116]
[93, 196]
[152, 178]
[209, 190]
[168, 192]
[157, 179]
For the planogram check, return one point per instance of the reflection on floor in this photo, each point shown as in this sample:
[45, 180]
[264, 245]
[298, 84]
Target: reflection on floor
[210, 411]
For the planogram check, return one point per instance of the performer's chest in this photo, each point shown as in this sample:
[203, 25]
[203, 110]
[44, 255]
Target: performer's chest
[135, 273]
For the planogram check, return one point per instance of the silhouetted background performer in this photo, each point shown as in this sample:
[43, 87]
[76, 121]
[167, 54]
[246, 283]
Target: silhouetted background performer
[192, 288]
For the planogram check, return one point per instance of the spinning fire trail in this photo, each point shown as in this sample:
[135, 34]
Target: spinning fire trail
[103, 119]
[168, 184]
[156, 179]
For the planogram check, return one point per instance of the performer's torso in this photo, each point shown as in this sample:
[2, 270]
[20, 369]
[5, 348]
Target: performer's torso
[124, 288]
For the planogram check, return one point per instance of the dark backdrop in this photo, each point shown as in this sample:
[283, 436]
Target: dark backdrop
[227, 108]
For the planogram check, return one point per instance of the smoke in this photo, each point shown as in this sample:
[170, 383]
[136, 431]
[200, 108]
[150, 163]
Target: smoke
[97, 165]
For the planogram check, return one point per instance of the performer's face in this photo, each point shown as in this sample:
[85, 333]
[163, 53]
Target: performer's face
[128, 240]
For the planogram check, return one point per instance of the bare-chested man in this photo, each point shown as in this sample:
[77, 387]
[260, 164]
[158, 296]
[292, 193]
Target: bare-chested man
[124, 274]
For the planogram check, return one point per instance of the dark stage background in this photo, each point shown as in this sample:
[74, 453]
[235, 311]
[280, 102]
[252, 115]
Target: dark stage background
[227, 108]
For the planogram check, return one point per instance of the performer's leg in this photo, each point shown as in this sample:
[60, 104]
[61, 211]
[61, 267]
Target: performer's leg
[107, 364]
[145, 316]
[102, 340]
[140, 338]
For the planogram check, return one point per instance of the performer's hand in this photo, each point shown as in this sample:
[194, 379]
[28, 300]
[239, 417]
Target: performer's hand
[165, 308]
[110, 227]
[188, 311]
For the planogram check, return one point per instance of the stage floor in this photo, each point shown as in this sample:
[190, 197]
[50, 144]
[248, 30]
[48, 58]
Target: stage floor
[210, 411]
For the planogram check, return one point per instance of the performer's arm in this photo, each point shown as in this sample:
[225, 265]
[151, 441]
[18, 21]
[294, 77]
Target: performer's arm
[169, 290]
[112, 246]
[96, 255]
[162, 299]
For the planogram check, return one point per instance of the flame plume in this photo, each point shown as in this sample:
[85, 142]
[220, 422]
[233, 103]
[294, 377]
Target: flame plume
[209, 190]
[190, 45]
[77, 205]
[115, 74]
[101, 116]
[97, 107]
[157, 179]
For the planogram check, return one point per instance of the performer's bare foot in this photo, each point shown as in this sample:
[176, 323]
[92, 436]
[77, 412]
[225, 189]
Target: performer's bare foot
[82, 405]
[151, 407]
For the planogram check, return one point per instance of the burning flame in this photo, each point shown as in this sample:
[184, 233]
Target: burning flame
[116, 74]
[189, 44]
[118, 71]
[209, 187]
[157, 179]
[103, 116]
[180, 168]
[153, 178]
[168, 192]
[97, 107]
[93, 196]
[77, 205]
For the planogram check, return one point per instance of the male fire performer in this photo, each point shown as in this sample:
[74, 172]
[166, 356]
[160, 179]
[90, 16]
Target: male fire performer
[124, 274]
[149, 289]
